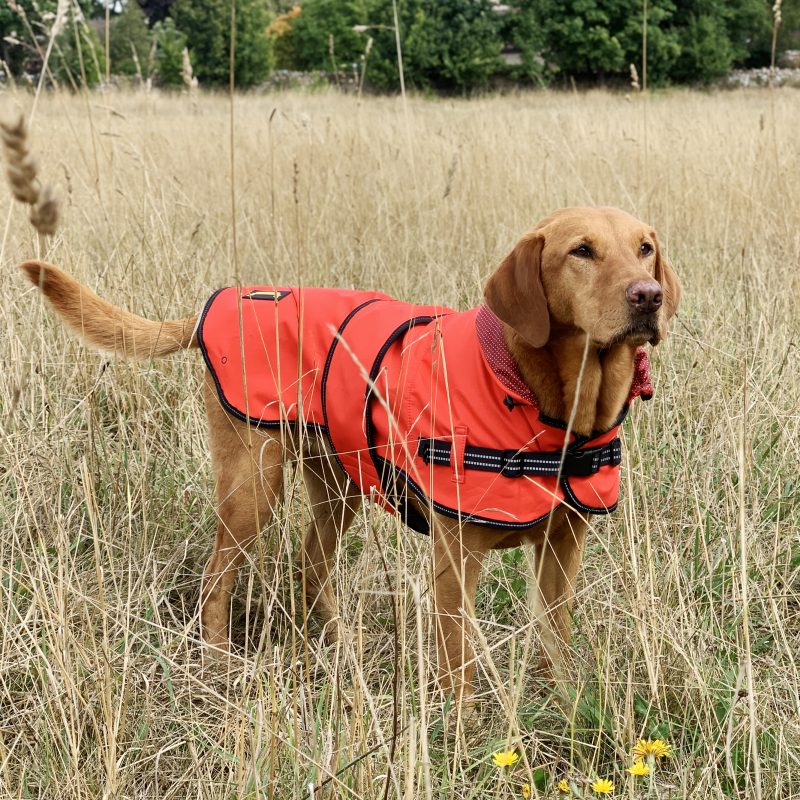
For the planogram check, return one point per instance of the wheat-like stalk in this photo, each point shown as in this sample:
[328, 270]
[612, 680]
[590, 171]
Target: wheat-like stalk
[635, 78]
[187, 73]
[22, 177]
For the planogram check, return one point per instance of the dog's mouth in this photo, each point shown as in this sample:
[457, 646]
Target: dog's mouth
[638, 331]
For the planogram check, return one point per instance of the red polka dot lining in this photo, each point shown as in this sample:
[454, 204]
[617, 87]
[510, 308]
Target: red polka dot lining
[490, 335]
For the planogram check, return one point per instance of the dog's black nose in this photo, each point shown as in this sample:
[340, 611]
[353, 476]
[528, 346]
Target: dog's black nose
[644, 296]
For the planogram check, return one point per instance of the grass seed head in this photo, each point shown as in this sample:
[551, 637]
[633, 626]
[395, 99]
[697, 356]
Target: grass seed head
[44, 214]
[22, 177]
[21, 168]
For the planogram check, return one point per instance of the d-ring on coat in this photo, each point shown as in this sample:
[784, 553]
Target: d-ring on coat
[417, 399]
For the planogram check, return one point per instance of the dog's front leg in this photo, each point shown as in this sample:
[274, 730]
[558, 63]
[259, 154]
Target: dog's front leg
[456, 570]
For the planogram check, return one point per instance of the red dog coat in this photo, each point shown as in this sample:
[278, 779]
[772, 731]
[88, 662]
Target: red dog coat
[410, 398]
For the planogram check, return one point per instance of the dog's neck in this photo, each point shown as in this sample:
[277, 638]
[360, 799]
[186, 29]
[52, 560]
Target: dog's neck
[554, 375]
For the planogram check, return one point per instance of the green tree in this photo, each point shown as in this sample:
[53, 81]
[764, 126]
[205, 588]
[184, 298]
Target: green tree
[663, 43]
[599, 38]
[78, 58]
[155, 10]
[717, 35]
[281, 31]
[581, 38]
[129, 34]
[207, 26]
[450, 46]
[25, 31]
[706, 52]
[748, 24]
[789, 31]
[322, 24]
[522, 28]
[169, 53]
[14, 38]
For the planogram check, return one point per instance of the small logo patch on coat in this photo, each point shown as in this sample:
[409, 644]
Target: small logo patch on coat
[263, 294]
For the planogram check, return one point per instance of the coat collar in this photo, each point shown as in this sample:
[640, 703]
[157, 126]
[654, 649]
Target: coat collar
[489, 330]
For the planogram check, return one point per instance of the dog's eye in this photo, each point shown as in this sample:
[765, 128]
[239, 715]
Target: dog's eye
[646, 249]
[582, 251]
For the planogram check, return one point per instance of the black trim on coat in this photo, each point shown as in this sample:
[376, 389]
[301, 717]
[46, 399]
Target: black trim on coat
[324, 380]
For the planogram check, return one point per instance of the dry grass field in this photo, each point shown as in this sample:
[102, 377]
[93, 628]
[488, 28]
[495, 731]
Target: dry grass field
[687, 621]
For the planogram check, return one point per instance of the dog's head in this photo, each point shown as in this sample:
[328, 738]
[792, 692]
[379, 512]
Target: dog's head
[597, 270]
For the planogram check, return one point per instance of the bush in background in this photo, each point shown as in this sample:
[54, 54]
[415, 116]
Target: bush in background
[78, 58]
[321, 36]
[523, 32]
[587, 39]
[25, 29]
[280, 31]
[169, 53]
[130, 41]
[207, 27]
[447, 46]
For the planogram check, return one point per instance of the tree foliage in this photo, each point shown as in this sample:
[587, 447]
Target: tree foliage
[78, 58]
[322, 35]
[452, 46]
[447, 45]
[130, 41]
[25, 28]
[717, 35]
[692, 41]
[207, 27]
[155, 10]
[602, 38]
[523, 30]
[169, 53]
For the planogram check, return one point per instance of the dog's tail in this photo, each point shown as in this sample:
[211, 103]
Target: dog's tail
[103, 325]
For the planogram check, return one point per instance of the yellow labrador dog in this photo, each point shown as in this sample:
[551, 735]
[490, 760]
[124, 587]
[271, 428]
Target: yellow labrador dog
[488, 428]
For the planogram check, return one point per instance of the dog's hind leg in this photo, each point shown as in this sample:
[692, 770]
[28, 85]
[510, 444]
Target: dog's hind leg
[334, 501]
[557, 563]
[248, 468]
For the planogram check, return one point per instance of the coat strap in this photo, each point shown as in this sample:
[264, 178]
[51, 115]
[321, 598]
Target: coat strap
[578, 463]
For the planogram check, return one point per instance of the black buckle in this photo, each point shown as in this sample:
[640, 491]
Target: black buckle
[581, 463]
[511, 464]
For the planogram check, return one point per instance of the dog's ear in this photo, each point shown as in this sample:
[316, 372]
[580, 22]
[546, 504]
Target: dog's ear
[670, 284]
[515, 292]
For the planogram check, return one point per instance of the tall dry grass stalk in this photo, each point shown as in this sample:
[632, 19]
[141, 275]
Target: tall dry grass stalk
[190, 83]
[686, 620]
[777, 19]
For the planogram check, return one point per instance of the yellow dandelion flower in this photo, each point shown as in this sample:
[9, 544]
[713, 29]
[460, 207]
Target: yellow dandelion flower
[563, 785]
[651, 747]
[526, 790]
[602, 786]
[505, 758]
[639, 769]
